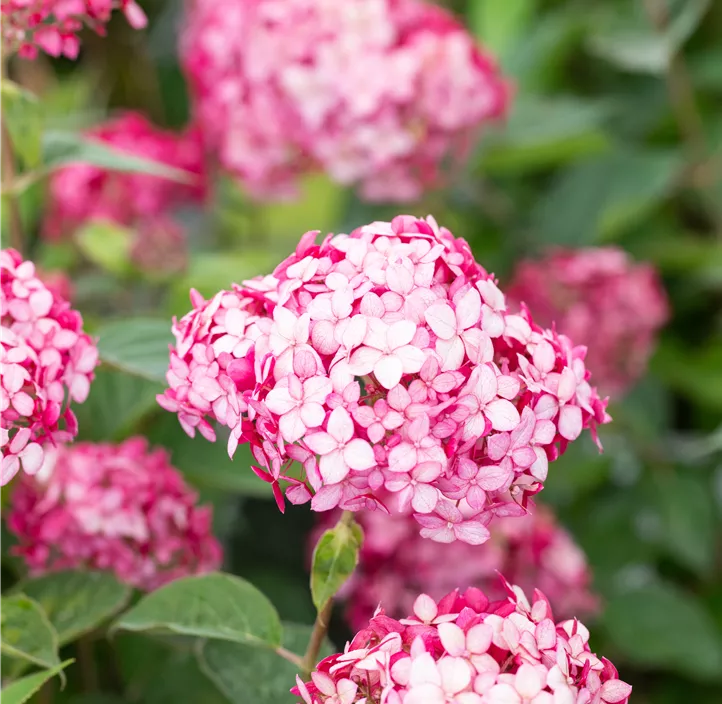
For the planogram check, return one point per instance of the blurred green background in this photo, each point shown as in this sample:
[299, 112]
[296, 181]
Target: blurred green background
[615, 137]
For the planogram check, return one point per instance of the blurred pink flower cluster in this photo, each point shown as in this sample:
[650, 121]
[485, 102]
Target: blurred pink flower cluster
[46, 361]
[121, 507]
[377, 93]
[385, 360]
[53, 25]
[599, 297]
[81, 193]
[396, 564]
[467, 650]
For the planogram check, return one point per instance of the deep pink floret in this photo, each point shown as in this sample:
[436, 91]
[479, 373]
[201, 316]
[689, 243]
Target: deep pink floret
[385, 361]
[379, 94]
[396, 563]
[52, 26]
[121, 508]
[46, 362]
[468, 650]
[601, 298]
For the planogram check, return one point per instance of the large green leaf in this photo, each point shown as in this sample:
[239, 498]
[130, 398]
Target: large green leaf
[108, 245]
[27, 634]
[214, 605]
[661, 626]
[602, 197]
[500, 25]
[249, 675]
[117, 401]
[334, 560]
[77, 602]
[207, 464]
[20, 691]
[686, 509]
[23, 116]
[137, 346]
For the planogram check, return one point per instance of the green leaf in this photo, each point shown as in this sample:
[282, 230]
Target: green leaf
[214, 605]
[108, 245]
[20, 691]
[116, 403]
[254, 676]
[27, 633]
[137, 346]
[543, 132]
[663, 627]
[23, 115]
[77, 602]
[603, 197]
[63, 148]
[686, 510]
[207, 464]
[156, 672]
[334, 560]
[500, 25]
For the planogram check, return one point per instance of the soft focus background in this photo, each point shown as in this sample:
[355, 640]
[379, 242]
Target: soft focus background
[614, 137]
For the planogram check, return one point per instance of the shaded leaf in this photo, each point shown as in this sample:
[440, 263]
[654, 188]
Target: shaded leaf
[661, 626]
[77, 602]
[334, 560]
[117, 401]
[246, 674]
[137, 346]
[27, 634]
[23, 116]
[20, 691]
[213, 605]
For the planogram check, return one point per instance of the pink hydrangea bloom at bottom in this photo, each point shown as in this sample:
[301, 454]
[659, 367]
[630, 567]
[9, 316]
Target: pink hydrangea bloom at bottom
[468, 650]
[396, 563]
[121, 508]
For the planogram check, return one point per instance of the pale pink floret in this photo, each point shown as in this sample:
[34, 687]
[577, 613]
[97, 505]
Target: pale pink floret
[53, 25]
[385, 361]
[467, 650]
[375, 93]
[121, 508]
[83, 193]
[46, 362]
[601, 298]
[396, 563]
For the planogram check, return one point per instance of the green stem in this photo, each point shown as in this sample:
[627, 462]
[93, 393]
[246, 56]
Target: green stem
[8, 181]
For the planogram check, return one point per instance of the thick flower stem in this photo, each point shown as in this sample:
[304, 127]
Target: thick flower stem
[323, 617]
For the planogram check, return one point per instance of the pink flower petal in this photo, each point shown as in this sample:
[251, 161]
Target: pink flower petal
[388, 370]
[442, 320]
[359, 455]
[502, 414]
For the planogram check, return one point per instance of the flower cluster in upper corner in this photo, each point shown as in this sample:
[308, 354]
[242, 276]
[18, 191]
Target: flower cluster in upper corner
[46, 362]
[52, 26]
[376, 93]
[83, 193]
[599, 297]
[467, 650]
[385, 361]
[396, 564]
[112, 507]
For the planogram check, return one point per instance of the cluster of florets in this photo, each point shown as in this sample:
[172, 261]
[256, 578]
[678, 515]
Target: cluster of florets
[599, 297]
[385, 361]
[52, 26]
[396, 564]
[121, 508]
[81, 193]
[46, 361]
[378, 93]
[468, 650]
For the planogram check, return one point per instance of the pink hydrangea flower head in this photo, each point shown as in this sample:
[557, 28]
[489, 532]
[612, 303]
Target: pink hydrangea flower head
[602, 299]
[121, 508]
[46, 362]
[52, 26]
[81, 193]
[468, 650]
[385, 361]
[376, 93]
[396, 563]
